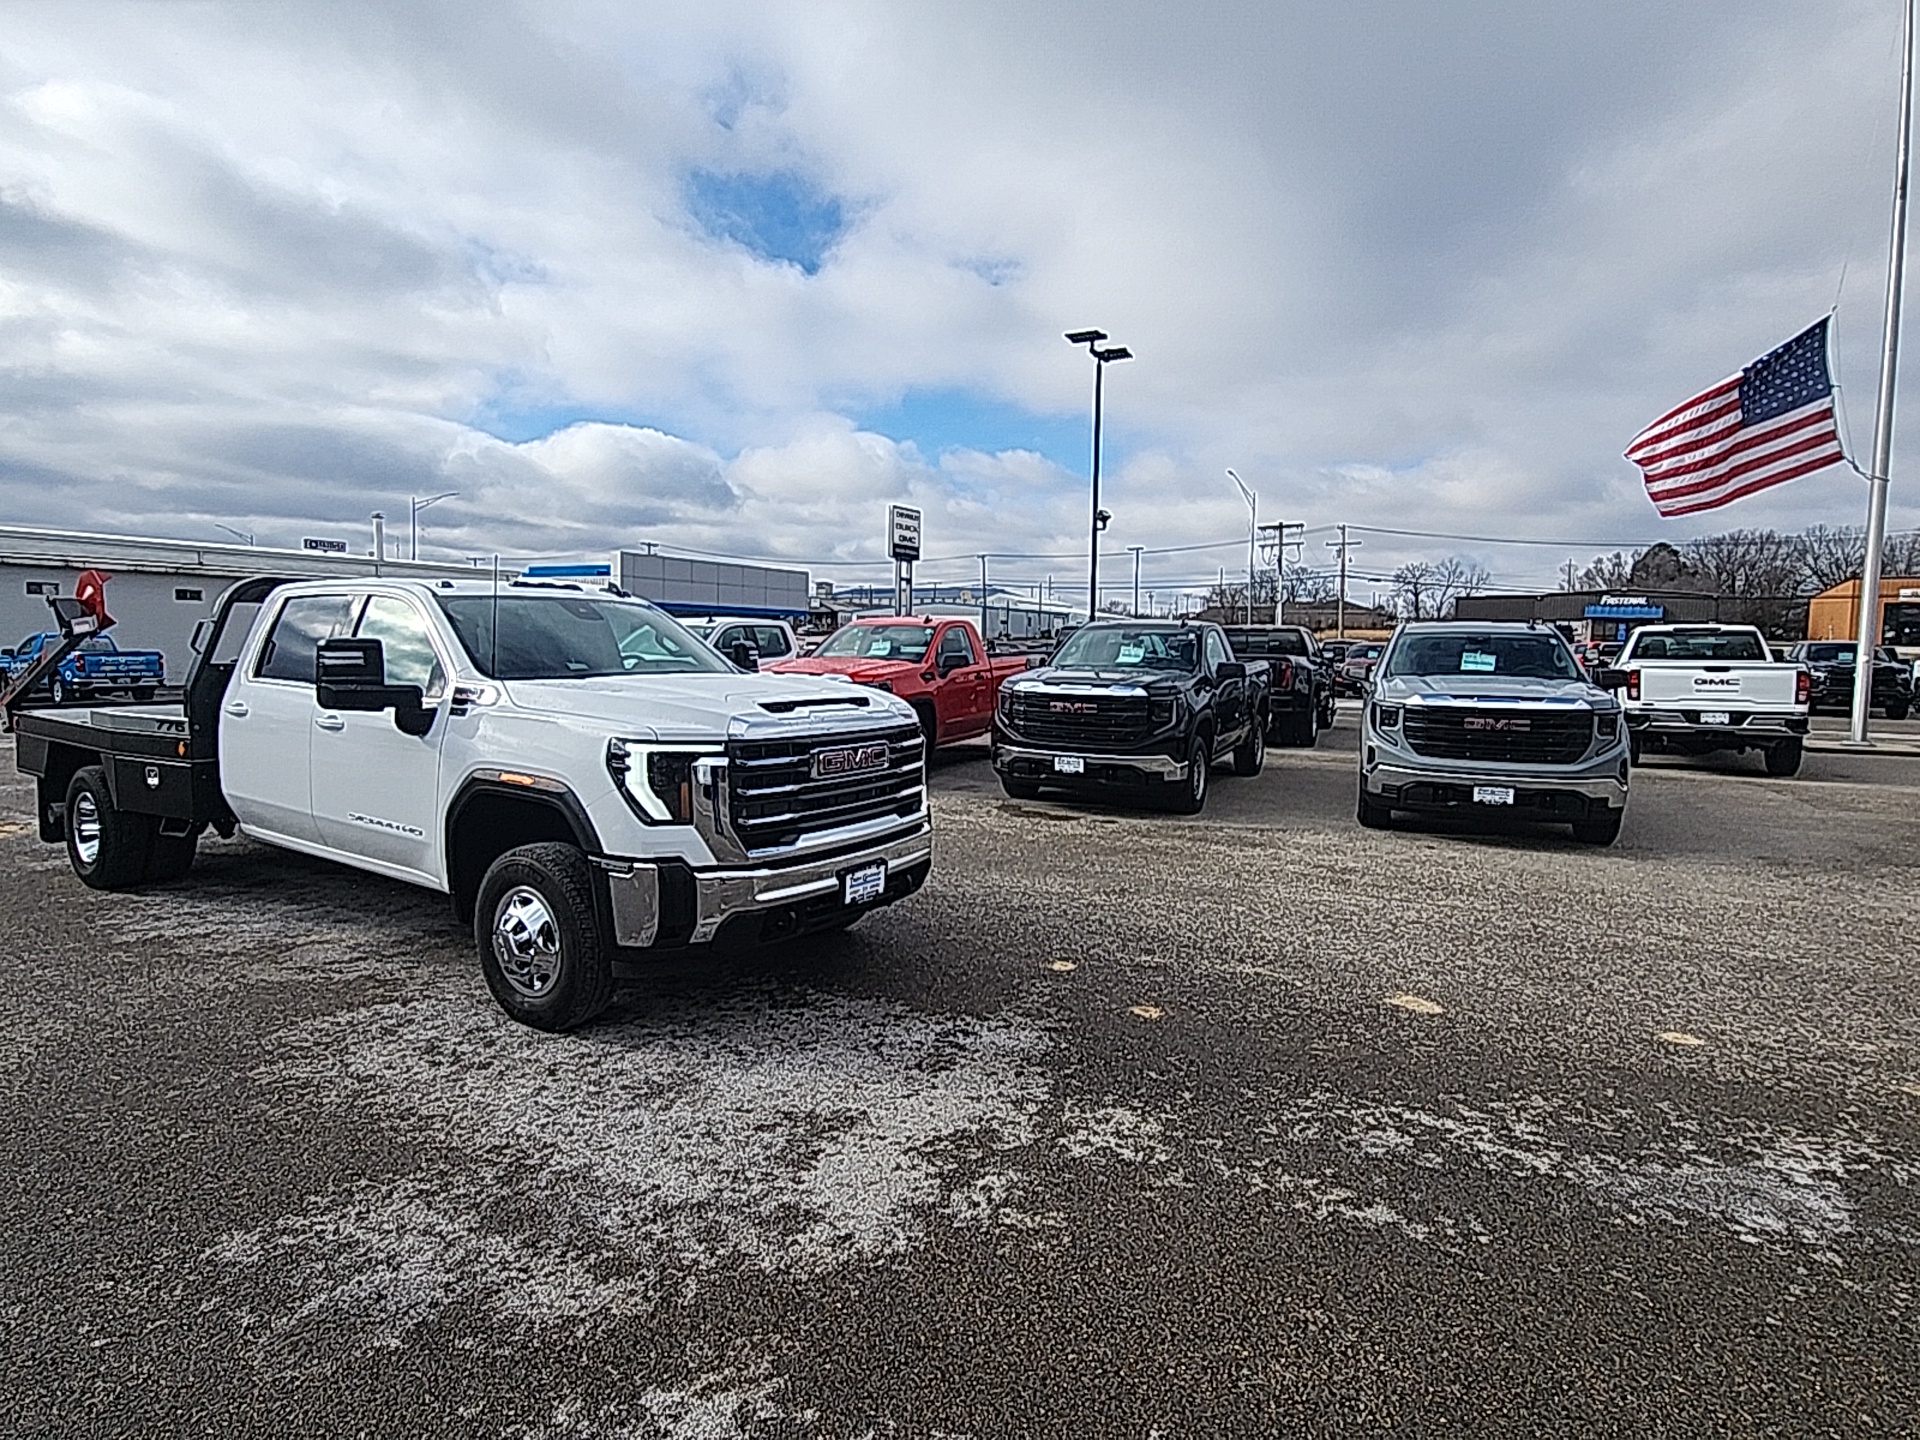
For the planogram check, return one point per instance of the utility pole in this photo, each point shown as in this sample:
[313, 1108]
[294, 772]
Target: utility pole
[1280, 544]
[1136, 549]
[1566, 570]
[1343, 544]
[983, 599]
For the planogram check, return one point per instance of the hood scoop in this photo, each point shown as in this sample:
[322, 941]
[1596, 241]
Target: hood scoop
[813, 702]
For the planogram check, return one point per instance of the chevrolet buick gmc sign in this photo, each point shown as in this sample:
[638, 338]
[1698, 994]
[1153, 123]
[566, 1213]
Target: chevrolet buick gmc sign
[903, 532]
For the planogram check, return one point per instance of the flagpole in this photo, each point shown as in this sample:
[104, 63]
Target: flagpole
[1869, 632]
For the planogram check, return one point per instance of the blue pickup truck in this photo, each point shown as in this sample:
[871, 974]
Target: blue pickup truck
[98, 665]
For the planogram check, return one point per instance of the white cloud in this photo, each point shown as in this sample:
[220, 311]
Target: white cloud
[1424, 267]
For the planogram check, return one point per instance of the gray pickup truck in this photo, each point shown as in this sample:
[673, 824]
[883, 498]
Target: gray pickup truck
[1476, 717]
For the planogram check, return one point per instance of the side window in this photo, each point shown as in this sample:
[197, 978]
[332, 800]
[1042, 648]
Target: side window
[729, 637]
[772, 640]
[410, 656]
[954, 645]
[304, 622]
[1216, 649]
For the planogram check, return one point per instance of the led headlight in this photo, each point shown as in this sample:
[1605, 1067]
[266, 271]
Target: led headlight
[886, 685]
[657, 780]
[1607, 724]
[1386, 716]
[1160, 710]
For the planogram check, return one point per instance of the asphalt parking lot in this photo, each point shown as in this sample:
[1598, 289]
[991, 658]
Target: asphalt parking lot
[1127, 1125]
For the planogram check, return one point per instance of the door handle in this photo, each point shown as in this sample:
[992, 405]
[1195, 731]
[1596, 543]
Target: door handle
[237, 707]
[330, 722]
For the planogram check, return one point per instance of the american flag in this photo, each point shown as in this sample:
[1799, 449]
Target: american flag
[1771, 423]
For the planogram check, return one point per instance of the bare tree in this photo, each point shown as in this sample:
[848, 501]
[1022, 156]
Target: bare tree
[1609, 572]
[1830, 554]
[1423, 591]
[1309, 587]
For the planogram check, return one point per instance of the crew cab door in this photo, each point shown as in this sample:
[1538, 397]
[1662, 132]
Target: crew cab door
[960, 699]
[267, 719]
[1229, 695]
[376, 790]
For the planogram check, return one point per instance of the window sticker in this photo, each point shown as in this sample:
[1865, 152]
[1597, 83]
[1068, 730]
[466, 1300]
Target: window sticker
[1132, 654]
[878, 647]
[1478, 660]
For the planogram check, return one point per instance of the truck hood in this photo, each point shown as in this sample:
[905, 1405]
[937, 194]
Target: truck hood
[1441, 688]
[701, 707]
[854, 667]
[1129, 681]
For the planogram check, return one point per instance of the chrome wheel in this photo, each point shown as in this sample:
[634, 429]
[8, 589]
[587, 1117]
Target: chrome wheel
[526, 941]
[1202, 758]
[85, 821]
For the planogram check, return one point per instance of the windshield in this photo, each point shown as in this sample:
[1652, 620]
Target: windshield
[1365, 652]
[1729, 646]
[906, 643]
[1118, 647]
[1533, 656]
[570, 637]
[1829, 654]
[1267, 642]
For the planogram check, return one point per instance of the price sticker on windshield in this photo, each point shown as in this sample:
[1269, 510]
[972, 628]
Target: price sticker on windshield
[1132, 654]
[1471, 660]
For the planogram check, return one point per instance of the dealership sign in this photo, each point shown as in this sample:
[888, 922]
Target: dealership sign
[331, 547]
[1626, 607]
[903, 532]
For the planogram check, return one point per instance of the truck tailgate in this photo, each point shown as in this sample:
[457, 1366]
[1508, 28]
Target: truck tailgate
[1756, 684]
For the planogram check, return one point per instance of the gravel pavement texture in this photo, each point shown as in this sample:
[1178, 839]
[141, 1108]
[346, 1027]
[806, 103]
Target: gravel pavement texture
[1128, 1125]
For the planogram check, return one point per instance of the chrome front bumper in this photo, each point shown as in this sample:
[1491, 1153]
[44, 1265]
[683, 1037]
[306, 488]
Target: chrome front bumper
[1161, 767]
[719, 895]
[1605, 787]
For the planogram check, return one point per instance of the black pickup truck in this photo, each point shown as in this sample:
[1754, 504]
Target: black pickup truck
[1302, 704]
[1140, 708]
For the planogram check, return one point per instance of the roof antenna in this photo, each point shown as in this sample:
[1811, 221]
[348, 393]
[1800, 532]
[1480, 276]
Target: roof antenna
[493, 668]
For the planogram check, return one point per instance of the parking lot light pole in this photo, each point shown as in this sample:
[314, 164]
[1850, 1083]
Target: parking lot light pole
[414, 507]
[1136, 549]
[1101, 359]
[1253, 517]
[246, 536]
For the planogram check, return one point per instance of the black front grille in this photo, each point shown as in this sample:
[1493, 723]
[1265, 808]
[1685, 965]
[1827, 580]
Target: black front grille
[1090, 722]
[1499, 734]
[776, 798]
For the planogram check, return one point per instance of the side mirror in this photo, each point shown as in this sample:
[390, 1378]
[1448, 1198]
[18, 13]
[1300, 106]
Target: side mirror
[1230, 670]
[1608, 678]
[744, 655]
[352, 675]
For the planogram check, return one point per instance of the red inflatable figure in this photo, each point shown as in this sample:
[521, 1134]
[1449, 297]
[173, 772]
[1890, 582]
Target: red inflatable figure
[91, 591]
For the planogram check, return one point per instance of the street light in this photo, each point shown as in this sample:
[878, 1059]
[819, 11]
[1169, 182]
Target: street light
[1253, 515]
[414, 507]
[245, 535]
[1101, 358]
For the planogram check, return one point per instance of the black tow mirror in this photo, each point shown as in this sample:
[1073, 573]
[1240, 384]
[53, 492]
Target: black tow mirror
[1608, 678]
[352, 675]
[1230, 670]
[745, 655]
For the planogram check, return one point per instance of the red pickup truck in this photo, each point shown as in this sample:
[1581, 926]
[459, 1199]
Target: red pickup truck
[940, 667]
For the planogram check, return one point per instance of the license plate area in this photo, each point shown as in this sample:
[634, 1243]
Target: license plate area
[865, 885]
[1069, 765]
[1493, 795]
[1715, 717]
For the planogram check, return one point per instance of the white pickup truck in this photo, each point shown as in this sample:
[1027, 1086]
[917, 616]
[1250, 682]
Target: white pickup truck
[588, 781]
[1698, 689]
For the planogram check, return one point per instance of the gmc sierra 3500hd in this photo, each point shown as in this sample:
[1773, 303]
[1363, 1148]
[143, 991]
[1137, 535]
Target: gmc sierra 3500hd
[584, 778]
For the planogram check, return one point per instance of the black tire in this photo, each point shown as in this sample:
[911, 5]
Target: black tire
[1601, 826]
[1371, 814]
[107, 847]
[1784, 759]
[60, 690]
[1306, 728]
[1633, 747]
[1189, 796]
[1897, 709]
[540, 947]
[1329, 712]
[1019, 789]
[929, 727]
[1251, 753]
[172, 856]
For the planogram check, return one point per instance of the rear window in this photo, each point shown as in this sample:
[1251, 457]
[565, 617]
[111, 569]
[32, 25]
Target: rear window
[1253, 643]
[1729, 646]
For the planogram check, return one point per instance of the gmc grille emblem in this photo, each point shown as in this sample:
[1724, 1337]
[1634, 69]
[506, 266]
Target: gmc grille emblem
[1496, 722]
[1072, 707]
[850, 760]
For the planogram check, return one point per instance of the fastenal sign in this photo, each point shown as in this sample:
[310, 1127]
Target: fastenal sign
[903, 532]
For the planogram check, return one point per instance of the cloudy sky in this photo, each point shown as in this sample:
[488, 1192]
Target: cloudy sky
[730, 277]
